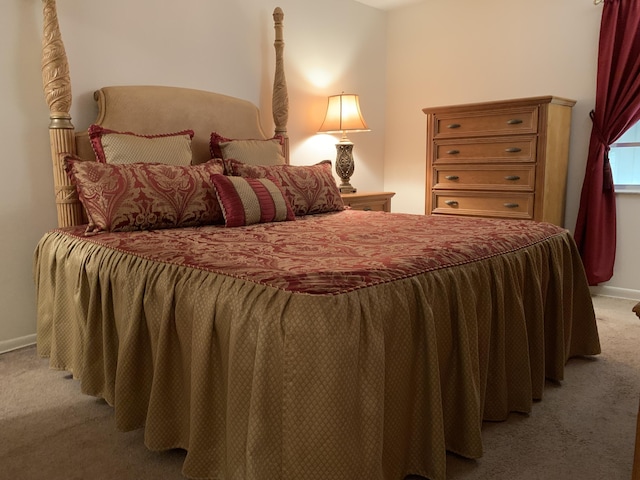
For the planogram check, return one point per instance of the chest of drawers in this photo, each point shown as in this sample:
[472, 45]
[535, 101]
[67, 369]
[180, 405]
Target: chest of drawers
[504, 159]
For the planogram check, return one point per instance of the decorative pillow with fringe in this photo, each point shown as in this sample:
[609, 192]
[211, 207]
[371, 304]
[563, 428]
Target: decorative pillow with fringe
[115, 147]
[252, 152]
[310, 189]
[146, 196]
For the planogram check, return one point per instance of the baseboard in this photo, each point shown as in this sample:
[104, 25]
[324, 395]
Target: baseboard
[15, 343]
[615, 292]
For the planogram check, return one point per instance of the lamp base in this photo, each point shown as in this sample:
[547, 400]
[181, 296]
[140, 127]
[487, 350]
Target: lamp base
[345, 165]
[347, 188]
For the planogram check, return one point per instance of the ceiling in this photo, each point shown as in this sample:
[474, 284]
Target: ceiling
[388, 4]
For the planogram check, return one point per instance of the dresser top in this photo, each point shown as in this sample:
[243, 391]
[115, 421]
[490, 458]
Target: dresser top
[516, 102]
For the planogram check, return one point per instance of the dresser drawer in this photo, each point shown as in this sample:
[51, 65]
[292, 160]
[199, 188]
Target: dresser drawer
[485, 177]
[368, 206]
[368, 201]
[497, 122]
[493, 149]
[493, 204]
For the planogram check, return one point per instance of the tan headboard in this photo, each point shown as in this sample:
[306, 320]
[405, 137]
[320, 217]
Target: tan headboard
[146, 110]
[154, 109]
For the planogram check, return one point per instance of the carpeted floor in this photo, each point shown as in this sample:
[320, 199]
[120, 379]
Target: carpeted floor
[582, 429]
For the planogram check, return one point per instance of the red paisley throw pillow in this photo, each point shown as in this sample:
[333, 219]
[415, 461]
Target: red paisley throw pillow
[121, 197]
[310, 189]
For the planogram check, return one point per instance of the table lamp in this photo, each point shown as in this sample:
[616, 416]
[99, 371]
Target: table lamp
[343, 115]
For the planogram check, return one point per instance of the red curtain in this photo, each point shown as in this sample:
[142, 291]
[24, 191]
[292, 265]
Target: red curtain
[617, 108]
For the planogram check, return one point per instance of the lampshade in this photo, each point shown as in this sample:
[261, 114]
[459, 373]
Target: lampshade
[343, 115]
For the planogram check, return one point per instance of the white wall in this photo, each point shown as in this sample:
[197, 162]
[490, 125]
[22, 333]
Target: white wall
[26, 207]
[626, 273]
[460, 51]
[218, 45]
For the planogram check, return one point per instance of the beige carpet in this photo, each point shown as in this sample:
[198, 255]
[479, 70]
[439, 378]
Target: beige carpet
[583, 429]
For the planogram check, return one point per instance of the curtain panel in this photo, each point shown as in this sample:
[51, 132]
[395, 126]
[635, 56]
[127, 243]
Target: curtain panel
[617, 108]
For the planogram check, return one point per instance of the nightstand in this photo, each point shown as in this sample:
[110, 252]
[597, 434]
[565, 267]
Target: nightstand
[370, 201]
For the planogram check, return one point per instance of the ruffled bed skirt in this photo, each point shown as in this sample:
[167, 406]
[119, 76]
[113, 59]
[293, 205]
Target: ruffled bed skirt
[256, 382]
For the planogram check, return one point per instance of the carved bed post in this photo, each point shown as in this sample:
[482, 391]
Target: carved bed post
[57, 89]
[280, 102]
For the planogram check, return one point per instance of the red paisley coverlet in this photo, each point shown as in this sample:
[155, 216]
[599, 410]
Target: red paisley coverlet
[337, 346]
[330, 253]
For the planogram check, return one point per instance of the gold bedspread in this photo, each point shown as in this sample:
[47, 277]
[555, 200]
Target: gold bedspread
[258, 382]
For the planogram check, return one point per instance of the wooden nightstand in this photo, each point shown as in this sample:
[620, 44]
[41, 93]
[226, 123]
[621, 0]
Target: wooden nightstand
[371, 201]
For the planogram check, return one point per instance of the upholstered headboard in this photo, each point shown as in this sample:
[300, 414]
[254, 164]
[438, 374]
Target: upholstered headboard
[150, 110]
[146, 110]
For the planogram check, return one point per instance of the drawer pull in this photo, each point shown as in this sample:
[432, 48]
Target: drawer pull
[514, 121]
[452, 177]
[451, 203]
[513, 150]
[511, 205]
[512, 177]
[453, 125]
[453, 152]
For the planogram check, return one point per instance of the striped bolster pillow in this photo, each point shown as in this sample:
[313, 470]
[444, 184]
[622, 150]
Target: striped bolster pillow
[246, 201]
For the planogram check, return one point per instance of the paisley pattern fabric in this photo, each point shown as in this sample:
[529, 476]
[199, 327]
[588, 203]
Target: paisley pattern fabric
[111, 146]
[342, 346]
[145, 196]
[333, 253]
[310, 189]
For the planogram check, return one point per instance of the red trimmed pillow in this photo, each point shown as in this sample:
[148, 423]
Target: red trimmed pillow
[115, 147]
[246, 201]
[310, 189]
[253, 152]
[145, 196]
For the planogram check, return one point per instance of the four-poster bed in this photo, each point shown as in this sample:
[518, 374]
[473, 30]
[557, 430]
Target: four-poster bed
[285, 349]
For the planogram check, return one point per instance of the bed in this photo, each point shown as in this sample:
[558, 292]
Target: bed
[329, 344]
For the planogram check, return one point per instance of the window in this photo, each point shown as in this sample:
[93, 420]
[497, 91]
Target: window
[625, 160]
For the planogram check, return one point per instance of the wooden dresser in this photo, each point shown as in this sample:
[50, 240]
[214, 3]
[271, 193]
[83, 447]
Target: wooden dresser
[504, 159]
